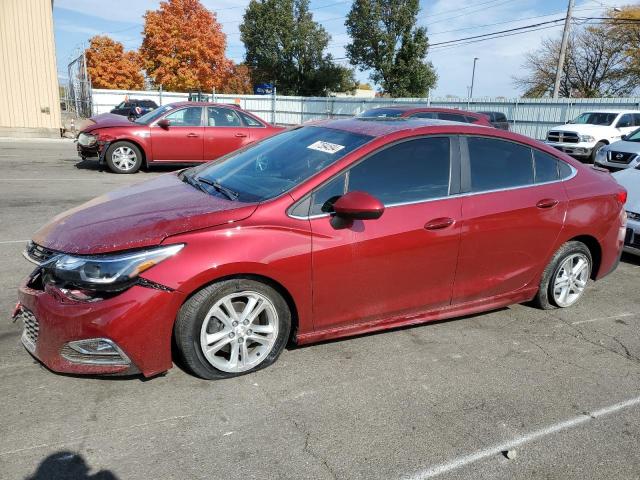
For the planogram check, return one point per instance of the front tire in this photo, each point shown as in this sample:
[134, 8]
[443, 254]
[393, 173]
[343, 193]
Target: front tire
[231, 328]
[124, 157]
[595, 150]
[565, 277]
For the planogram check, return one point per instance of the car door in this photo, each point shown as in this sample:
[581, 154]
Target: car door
[403, 262]
[182, 140]
[511, 217]
[224, 132]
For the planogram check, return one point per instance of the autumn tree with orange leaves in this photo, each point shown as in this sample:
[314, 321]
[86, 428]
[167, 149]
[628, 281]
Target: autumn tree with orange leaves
[238, 80]
[184, 47]
[109, 66]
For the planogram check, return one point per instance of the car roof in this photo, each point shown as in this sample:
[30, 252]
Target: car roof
[380, 127]
[610, 111]
[416, 109]
[206, 104]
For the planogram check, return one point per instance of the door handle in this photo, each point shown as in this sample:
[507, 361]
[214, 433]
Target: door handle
[547, 203]
[439, 223]
[192, 135]
[241, 135]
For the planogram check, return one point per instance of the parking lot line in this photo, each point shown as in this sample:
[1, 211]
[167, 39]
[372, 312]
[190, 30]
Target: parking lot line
[7, 242]
[516, 442]
[613, 317]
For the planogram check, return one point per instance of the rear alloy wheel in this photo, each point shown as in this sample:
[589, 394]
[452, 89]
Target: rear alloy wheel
[566, 277]
[124, 157]
[231, 328]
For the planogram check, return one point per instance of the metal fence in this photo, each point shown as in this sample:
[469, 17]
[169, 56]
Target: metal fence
[529, 116]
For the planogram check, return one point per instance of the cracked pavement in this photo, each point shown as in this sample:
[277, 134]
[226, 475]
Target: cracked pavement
[383, 406]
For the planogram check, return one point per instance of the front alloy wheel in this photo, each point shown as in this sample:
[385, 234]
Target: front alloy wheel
[123, 157]
[232, 327]
[239, 331]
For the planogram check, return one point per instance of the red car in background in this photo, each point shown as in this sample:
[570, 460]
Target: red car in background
[184, 132]
[323, 231]
[408, 111]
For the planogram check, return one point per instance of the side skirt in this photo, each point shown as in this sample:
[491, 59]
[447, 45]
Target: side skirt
[441, 314]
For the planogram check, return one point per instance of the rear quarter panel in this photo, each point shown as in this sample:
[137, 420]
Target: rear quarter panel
[594, 210]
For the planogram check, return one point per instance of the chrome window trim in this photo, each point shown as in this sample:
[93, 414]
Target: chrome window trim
[574, 172]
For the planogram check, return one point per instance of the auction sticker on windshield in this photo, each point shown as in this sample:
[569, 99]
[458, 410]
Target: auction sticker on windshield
[326, 147]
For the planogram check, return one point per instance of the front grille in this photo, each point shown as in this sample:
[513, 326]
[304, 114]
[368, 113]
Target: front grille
[563, 137]
[633, 215]
[31, 328]
[38, 254]
[620, 157]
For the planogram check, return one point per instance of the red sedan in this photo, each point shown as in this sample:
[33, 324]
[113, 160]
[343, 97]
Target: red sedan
[184, 132]
[433, 113]
[322, 231]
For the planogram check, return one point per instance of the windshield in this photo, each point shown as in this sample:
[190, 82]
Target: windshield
[153, 115]
[278, 163]
[633, 136]
[381, 113]
[596, 118]
[121, 105]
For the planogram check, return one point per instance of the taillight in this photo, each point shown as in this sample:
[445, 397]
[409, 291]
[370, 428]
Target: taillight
[622, 196]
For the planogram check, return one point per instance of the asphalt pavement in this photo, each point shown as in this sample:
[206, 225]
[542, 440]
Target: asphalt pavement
[514, 393]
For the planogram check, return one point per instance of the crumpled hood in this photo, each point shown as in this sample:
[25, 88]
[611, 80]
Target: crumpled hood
[106, 120]
[138, 216]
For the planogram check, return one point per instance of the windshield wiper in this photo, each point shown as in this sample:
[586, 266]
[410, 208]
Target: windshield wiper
[190, 180]
[227, 192]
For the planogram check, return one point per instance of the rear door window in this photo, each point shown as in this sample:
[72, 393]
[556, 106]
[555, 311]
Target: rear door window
[546, 167]
[498, 164]
[453, 117]
[223, 117]
[250, 121]
[424, 115]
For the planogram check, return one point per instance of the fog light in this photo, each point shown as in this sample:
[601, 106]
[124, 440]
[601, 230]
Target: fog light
[95, 351]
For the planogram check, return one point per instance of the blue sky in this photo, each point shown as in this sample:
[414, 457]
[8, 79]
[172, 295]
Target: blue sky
[75, 21]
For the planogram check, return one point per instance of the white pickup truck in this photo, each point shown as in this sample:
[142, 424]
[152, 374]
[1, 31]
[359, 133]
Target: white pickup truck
[584, 136]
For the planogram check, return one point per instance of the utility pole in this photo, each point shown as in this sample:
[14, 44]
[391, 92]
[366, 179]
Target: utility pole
[473, 77]
[563, 49]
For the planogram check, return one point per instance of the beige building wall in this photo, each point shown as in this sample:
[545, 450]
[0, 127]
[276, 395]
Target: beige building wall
[29, 97]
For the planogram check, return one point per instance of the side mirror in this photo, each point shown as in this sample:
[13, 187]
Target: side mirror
[164, 123]
[358, 206]
[623, 137]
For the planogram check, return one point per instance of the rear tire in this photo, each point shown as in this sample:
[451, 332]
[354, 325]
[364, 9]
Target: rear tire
[123, 157]
[231, 328]
[565, 277]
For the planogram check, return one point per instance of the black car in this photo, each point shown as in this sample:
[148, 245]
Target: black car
[497, 119]
[134, 108]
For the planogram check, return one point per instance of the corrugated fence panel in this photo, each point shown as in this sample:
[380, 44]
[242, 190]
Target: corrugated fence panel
[528, 116]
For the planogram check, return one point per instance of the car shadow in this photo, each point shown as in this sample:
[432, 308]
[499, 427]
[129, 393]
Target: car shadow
[92, 164]
[68, 465]
[631, 259]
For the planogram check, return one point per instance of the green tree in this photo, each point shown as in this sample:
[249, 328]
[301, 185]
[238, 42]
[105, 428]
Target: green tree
[387, 42]
[286, 46]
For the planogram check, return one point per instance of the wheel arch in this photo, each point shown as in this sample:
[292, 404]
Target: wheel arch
[277, 286]
[595, 249]
[140, 146]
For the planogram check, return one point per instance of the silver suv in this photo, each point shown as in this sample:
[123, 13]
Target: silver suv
[622, 154]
